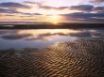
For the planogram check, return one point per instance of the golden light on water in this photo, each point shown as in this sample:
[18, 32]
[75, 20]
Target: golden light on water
[47, 31]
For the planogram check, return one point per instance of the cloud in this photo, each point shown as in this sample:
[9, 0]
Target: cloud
[97, 1]
[82, 7]
[99, 9]
[13, 5]
[88, 12]
[95, 17]
[30, 14]
[29, 2]
[85, 8]
[56, 8]
[8, 11]
[13, 35]
[42, 6]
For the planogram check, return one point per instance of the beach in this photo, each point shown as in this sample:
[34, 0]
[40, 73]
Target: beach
[81, 58]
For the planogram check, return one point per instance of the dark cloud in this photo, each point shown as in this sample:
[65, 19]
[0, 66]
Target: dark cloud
[30, 2]
[97, 17]
[50, 7]
[30, 14]
[99, 9]
[8, 11]
[97, 1]
[9, 15]
[85, 15]
[37, 14]
[82, 7]
[13, 5]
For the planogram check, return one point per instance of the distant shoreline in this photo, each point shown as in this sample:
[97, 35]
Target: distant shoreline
[52, 26]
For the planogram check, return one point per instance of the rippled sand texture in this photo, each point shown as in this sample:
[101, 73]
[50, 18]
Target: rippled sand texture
[83, 58]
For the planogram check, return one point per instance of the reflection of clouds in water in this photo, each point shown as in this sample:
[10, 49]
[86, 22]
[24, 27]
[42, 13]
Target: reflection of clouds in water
[96, 33]
[15, 36]
[4, 32]
[81, 34]
[44, 38]
[12, 35]
[49, 34]
[90, 33]
[35, 34]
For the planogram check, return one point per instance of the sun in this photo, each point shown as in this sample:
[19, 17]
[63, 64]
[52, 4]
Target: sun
[54, 19]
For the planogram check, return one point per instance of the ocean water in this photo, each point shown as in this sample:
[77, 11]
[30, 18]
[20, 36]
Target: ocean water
[43, 38]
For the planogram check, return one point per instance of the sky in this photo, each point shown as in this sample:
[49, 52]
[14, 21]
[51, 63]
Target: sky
[52, 11]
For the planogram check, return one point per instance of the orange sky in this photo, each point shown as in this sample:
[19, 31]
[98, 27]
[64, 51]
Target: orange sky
[51, 10]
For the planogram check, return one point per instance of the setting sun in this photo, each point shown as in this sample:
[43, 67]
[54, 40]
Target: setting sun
[54, 19]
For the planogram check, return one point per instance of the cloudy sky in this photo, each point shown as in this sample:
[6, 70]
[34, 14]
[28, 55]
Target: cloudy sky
[53, 11]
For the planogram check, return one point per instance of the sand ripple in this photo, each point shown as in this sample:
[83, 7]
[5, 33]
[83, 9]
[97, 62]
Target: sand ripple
[83, 58]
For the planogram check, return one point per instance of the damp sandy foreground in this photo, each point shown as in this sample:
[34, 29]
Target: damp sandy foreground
[83, 58]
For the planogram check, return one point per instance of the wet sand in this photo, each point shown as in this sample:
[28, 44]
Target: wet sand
[82, 58]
